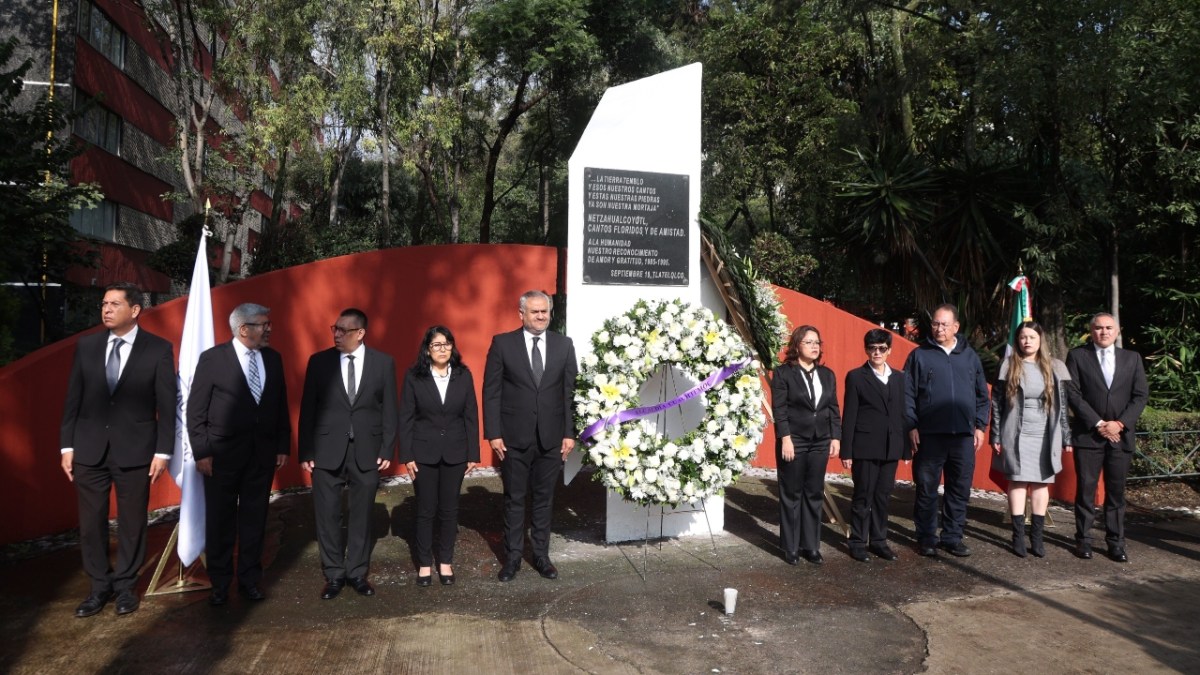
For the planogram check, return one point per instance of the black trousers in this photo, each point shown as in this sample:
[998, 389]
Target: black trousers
[344, 554]
[529, 472]
[873, 483]
[437, 487]
[92, 486]
[801, 491]
[236, 498]
[1115, 463]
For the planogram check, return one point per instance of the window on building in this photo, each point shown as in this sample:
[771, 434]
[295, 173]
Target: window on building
[100, 126]
[99, 222]
[102, 33]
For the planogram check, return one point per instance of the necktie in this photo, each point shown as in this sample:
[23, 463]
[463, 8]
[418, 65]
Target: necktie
[1106, 366]
[255, 378]
[351, 388]
[808, 375]
[112, 369]
[535, 357]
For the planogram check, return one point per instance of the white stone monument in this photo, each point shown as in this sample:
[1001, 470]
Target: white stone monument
[634, 233]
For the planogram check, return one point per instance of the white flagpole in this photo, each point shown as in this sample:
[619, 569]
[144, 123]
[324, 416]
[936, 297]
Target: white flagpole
[197, 337]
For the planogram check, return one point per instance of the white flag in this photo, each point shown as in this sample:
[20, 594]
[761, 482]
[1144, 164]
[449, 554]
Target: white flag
[197, 336]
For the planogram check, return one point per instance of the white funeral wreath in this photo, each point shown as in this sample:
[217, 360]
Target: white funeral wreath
[631, 456]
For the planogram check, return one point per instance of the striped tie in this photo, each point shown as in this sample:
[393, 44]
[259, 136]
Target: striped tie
[255, 379]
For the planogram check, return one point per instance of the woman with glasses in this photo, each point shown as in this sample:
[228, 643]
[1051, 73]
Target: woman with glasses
[439, 444]
[808, 432]
[873, 444]
[1029, 431]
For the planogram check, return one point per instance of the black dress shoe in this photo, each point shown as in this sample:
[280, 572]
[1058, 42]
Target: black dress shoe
[545, 568]
[426, 580]
[92, 604]
[957, 549]
[447, 579]
[332, 588]
[362, 586]
[1117, 554]
[252, 592]
[884, 552]
[218, 597]
[860, 555]
[791, 558]
[813, 557]
[509, 571]
[929, 551]
[127, 602]
[1083, 550]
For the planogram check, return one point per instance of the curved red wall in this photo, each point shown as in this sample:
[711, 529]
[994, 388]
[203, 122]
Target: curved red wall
[472, 289]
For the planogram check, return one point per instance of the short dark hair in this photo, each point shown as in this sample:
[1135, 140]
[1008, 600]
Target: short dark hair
[358, 315]
[420, 367]
[877, 336]
[945, 306]
[133, 294]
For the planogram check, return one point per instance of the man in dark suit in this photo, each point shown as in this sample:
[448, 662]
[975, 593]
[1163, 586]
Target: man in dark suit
[873, 444]
[1108, 395]
[238, 424]
[118, 429]
[528, 388]
[348, 420]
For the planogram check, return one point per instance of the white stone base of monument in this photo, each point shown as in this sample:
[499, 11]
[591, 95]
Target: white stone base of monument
[627, 521]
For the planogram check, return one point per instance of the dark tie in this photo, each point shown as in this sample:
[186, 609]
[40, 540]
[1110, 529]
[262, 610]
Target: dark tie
[351, 389]
[112, 369]
[808, 375]
[255, 378]
[535, 357]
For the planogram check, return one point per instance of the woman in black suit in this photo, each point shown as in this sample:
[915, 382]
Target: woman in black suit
[873, 444]
[808, 432]
[439, 443]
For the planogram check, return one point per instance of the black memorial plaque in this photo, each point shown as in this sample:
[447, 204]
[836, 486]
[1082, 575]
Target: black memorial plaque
[635, 228]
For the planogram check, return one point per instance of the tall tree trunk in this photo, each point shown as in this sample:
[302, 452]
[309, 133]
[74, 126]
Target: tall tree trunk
[1114, 283]
[342, 157]
[385, 191]
[277, 199]
[518, 107]
[544, 200]
[906, 112]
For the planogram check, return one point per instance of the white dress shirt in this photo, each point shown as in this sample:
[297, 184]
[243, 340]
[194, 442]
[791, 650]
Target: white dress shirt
[529, 347]
[358, 367]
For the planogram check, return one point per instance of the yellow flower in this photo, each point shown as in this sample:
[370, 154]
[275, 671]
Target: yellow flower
[711, 336]
[610, 391]
[740, 441]
[623, 451]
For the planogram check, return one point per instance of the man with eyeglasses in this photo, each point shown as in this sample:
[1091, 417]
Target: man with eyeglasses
[240, 431]
[118, 430]
[348, 422]
[946, 410]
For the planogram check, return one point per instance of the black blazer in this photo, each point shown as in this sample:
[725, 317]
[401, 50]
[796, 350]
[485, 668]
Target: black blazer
[796, 414]
[873, 416]
[517, 410]
[135, 421]
[432, 431]
[327, 415]
[222, 415]
[1091, 400]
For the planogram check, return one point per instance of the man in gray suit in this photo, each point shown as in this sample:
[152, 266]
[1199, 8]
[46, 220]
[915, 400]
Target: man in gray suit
[1108, 397]
[348, 422]
[528, 388]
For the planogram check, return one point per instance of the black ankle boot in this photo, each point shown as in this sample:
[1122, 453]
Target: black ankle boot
[1018, 534]
[1036, 546]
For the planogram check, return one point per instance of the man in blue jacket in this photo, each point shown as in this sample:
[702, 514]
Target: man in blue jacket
[946, 405]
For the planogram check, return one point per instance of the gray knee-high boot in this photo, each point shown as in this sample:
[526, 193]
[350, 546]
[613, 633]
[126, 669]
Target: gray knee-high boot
[1037, 526]
[1018, 534]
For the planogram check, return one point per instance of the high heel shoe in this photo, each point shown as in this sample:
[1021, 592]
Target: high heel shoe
[426, 579]
[447, 579]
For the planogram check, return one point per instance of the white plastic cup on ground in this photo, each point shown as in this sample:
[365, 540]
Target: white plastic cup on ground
[730, 600]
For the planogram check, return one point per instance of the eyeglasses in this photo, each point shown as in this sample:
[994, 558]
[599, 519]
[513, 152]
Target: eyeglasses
[811, 343]
[441, 346]
[877, 349]
[265, 325]
[338, 330]
[940, 324]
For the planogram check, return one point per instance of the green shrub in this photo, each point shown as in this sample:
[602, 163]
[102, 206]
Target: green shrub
[1161, 446]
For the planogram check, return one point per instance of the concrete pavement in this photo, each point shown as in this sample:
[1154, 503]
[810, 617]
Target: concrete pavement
[991, 612]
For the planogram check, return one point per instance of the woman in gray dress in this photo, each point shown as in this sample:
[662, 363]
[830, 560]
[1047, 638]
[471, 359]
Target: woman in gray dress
[1029, 431]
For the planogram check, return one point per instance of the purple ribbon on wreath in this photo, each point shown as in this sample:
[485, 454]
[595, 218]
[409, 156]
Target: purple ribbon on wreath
[623, 416]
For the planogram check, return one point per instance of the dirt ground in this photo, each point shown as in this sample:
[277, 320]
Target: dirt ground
[1153, 495]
